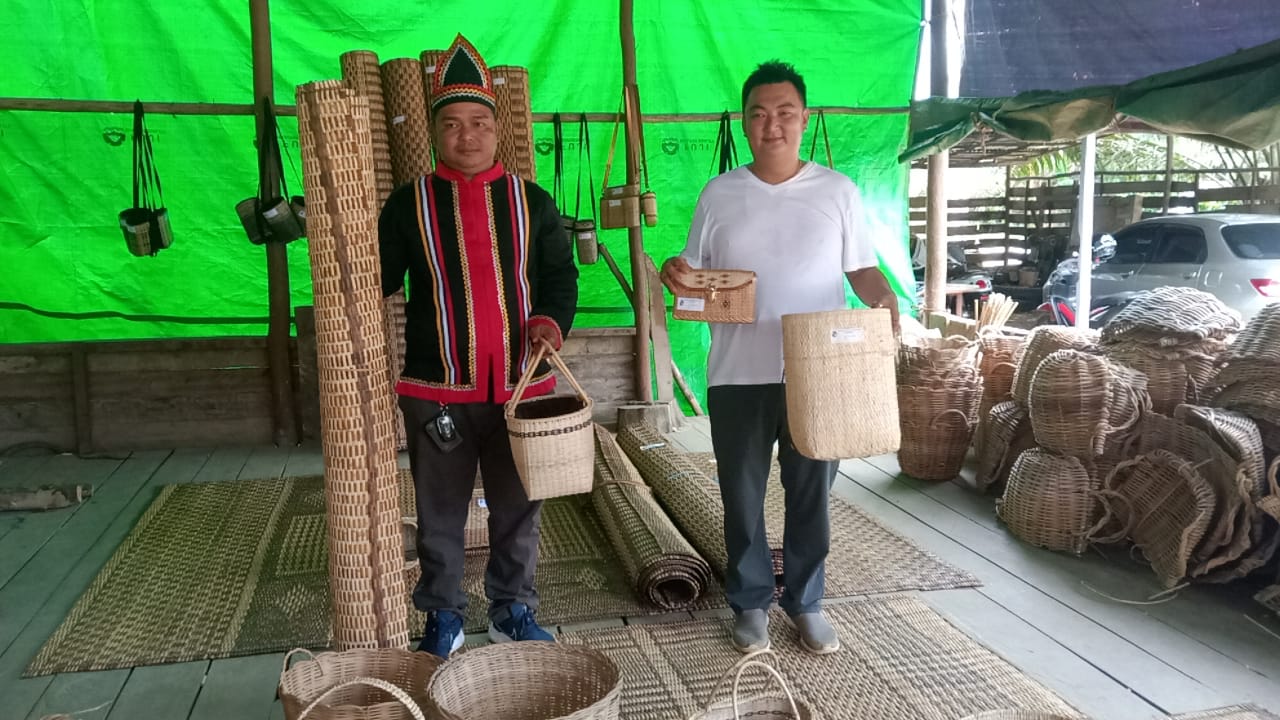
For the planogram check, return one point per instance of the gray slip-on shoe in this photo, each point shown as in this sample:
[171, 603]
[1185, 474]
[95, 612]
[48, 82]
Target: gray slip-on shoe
[816, 634]
[751, 631]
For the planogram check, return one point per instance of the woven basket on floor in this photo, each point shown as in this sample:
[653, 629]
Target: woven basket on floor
[1017, 715]
[1174, 315]
[1173, 376]
[998, 364]
[1042, 342]
[761, 706]
[1259, 341]
[329, 672]
[1050, 501]
[553, 441]
[1007, 434]
[1165, 506]
[1238, 435]
[1226, 537]
[531, 680]
[1077, 400]
[840, 383]
[949, 351]
[1270, 503]
[937, 428]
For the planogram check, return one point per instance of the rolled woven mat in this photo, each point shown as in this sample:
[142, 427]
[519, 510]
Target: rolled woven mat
[937, 427]
[408, 137]
[1227, 535]
[360, 72]
[612, 465]
[366, 558]
[515, 120]
[1171, 316]
[1008, 435]
[1042, 342]
[1050, 501]
[1079, 400]
[430, 59]
[662, 566]
[1174, 375]
[1165, 507]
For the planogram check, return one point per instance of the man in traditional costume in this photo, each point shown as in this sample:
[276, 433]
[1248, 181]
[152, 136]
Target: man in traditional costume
[491, 277]
[800, 227]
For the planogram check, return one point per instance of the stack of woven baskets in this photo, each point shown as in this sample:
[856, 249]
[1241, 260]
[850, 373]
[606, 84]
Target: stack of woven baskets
[999, 362]
[939, 392]
[1174, 336]
[1083, 408]
[1006, 431]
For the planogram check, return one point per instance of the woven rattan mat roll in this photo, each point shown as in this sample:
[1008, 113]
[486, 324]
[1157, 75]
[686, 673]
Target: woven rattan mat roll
[408, 138]
[663, 567]
[937, 427]
[430, 60]
[1050, 501]
[1166, 507]
[515, 120]
[1174, 376]
[1226, 537]
[1078, 400]
[1041, 343]
[1172, 316]
[1008, 434]
[360, 72]
[366, 559]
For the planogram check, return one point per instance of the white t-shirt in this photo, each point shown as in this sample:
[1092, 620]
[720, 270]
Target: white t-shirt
[799, 236]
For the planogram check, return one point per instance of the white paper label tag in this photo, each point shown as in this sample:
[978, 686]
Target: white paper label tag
[615, 203]
[499, 80]
[397, 120]
[481, 503]
[691, 304]
[431, 69]
[847, 335]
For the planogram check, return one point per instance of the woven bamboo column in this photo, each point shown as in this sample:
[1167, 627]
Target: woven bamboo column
[361, 486]
[406, 107]
[430, 60]
[361, 72]
[515, 120]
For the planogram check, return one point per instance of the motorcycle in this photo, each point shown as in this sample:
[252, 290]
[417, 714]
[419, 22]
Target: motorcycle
[1059, 291]
[958, 273]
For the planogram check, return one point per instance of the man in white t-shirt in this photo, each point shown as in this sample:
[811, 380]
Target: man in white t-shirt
[800, 227]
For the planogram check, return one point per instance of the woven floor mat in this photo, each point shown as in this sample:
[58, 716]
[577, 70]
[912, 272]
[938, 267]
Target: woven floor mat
[866, 557]
[1234, 712]
[900, 660]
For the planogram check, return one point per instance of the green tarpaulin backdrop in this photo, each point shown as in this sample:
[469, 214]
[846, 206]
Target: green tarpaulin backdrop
[68, 276]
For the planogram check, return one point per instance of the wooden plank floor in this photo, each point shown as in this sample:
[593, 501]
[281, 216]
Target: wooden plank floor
[1041, 611]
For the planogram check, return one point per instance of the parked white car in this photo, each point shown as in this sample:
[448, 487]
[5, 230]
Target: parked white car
[1235, 257]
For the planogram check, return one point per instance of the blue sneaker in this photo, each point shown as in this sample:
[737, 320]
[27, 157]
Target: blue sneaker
[443, 634]
[515, 622]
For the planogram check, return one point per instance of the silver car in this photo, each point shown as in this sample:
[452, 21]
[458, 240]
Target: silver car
[1233, 256]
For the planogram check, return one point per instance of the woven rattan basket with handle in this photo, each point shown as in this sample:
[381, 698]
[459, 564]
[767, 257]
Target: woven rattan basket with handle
[552, 441]
[530, 680]
[349, 685]
[1078, 400]
[1040, 344]
[1050, 501]
[719, 296]
[841, 401]
[763, 706]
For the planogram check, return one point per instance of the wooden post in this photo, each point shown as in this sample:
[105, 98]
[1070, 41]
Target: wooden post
[1168, 175]
[935, 267]
[286, 425]
[1084, 226]
[635, 235]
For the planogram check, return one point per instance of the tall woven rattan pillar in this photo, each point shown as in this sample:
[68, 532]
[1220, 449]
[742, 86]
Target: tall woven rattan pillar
[430, 61]
[406, 107]
[361, 72]
[366, 556]
[515, 120]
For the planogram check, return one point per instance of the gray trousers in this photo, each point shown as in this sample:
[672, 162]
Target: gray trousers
[444, 482]
[746, 420]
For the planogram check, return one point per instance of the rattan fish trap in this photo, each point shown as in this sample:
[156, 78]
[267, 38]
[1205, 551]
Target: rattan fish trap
[1078, 400]
[1007, 434]
[1040, 344]
[1050, 501]
[1171, 316]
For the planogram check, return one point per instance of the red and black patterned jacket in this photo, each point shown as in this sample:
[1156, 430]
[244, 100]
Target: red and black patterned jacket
[486, 258]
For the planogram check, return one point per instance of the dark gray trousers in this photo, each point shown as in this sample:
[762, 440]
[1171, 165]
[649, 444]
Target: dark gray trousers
[746, 421]
[444, 482]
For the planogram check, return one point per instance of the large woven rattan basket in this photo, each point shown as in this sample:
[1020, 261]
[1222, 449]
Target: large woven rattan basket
[552, 440]
[330, 674]
[531, 680]
[775, 705]
[841, 399]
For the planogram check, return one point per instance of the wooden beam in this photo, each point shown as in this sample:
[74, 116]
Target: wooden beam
[80, 393]
[635, 234]
[199, 108]
[286, 423]
[935, 277]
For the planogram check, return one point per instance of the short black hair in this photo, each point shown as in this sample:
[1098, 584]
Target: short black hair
[770, 72]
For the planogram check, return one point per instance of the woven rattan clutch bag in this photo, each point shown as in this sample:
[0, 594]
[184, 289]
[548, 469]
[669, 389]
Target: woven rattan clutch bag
[720, 296]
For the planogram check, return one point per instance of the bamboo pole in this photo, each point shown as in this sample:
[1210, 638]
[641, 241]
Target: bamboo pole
[223, 109]
[935, 267]
[286, 424]
[1168, 174]
[635, 234]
